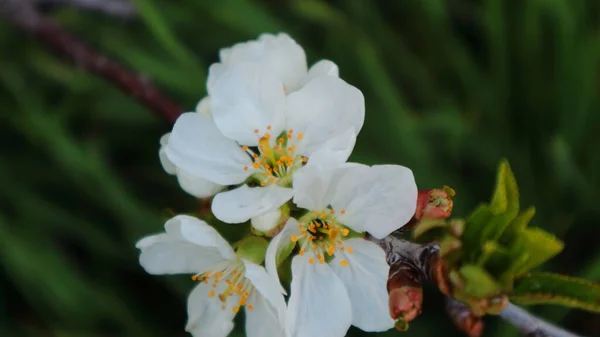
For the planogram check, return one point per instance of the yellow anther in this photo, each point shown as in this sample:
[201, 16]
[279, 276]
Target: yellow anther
[262, 183]
[330, 250]
[245, 168]
[235, 309]
[294, 238]
[311, 260]
[345, 232]
[350, 250]
[268, 127]
[280, 140]
[255, 155]
[301, 252]
[343, 211]
[344, 263]
[249, 307]
[245, 148]
[300, 226]
[211, 293]
[315, 212]
[302, 232]
[304, 159]
[256, 164]
[291, 131]
[321, 260]
[323, 215]
[194, 277]
[300, 136]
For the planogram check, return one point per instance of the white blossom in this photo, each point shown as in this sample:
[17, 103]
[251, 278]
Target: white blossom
[337, 274]
[226, 282]
[269, 117]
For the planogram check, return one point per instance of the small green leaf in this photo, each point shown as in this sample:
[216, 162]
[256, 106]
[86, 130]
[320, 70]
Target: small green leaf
[252, 248]
[547, 288]
[478, 282]
[539, 245]
[506, 194]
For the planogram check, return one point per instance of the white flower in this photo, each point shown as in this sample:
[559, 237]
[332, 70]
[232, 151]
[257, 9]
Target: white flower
[337, 274]
[226, 282]
[261, 133]
[189, 182]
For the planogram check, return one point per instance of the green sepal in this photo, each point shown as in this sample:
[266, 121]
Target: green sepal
[478, 283]
[401, 324]
[548, 288]
[284, 251]
[252, 248]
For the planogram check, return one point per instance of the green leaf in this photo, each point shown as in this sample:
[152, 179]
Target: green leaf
[547, 288]
[506, 194]
[478, 283]
[539, 245]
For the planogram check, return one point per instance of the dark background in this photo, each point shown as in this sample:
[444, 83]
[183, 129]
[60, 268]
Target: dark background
[451, 87]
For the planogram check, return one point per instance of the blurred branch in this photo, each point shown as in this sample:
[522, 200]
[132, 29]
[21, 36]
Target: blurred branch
[530, 325]
[23, 14]
[411, 264]
[120, 8]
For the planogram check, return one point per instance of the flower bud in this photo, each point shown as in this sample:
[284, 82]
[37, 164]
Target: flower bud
[435, 203]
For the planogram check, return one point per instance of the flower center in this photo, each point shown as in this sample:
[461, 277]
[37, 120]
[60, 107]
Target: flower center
[274, 162]
[322, 234]
[228, 281]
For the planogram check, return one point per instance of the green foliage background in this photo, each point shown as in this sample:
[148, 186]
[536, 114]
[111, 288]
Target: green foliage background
[451, 87]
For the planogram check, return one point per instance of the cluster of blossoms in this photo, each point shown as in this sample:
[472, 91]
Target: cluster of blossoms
[270, 143]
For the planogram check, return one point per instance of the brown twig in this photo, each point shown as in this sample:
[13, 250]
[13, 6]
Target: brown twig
[23, 15]
[118, 8]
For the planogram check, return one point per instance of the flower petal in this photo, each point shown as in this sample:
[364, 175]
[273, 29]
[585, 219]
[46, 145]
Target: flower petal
[280, 53]
[322, 68]
[335, 151]
[205, 316]
[365, 278]
[266, 222]
[163, 254]
[169, 167]
[204, 107]
[196, 186]
[193, 230]
[196, 146]
[319, 305]
[243, 203]
[379, 199]
[312, 186]
[316, 183]
[262, 320]
[324, 108]
[246, 98]
[189, 182]
[267, 287]
[280, 243]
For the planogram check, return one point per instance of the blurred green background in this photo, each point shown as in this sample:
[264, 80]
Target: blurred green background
[451, 87]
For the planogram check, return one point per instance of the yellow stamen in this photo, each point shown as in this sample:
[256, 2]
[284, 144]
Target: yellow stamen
[344, 263]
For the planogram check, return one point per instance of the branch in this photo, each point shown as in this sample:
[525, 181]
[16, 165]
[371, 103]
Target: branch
[411, 264]
[530, 325]
[119, 8]
[22, 14]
